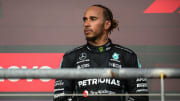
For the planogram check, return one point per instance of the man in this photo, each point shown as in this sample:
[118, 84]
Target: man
[100, 52]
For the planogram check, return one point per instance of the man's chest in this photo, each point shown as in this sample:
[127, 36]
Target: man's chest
[110, 59]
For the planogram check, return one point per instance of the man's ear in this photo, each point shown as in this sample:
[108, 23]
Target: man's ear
[107, 24]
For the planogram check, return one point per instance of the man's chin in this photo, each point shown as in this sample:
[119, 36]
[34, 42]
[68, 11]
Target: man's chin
[90, 38]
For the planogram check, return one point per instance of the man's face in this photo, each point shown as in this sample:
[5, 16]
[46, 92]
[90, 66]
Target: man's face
[93, 23]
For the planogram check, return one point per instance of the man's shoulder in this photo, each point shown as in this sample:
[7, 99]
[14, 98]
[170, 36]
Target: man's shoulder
[124, 49]
[74, 50]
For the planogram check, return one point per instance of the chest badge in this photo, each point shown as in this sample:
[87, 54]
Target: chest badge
[115, 56]
[83, 56]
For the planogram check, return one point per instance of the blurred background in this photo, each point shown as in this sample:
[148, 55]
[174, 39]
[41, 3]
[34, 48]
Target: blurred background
[51, 27]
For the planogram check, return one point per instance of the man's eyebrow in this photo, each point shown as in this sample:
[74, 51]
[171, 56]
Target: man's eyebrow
[93, 17]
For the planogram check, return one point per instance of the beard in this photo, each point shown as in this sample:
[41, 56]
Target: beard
[95, 36]
[92, 39]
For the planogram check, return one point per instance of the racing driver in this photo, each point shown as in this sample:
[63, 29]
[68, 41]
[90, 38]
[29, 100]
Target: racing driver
[100, 52]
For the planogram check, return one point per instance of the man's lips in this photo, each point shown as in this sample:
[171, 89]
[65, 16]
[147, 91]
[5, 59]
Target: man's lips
[86, 31]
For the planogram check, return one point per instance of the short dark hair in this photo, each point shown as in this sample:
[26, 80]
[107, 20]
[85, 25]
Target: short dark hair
[108, 16]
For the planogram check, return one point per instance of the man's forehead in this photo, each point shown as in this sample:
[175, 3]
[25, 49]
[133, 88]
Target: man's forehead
[94, 11]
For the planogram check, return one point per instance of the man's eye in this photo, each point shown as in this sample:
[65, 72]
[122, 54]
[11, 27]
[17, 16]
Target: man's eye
[84, 19]
[93, 18]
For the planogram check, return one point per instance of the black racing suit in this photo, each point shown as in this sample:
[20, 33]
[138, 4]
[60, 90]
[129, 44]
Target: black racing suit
[109, 55]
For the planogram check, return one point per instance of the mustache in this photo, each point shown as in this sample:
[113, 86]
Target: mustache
[87, 29]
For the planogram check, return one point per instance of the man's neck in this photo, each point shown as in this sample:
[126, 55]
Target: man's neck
[99, 41]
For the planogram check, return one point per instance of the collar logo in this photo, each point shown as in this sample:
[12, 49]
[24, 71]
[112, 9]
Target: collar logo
[101, 49]
[83, 56]
[115, 56]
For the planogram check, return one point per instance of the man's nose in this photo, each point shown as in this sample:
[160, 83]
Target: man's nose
[86, 24]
